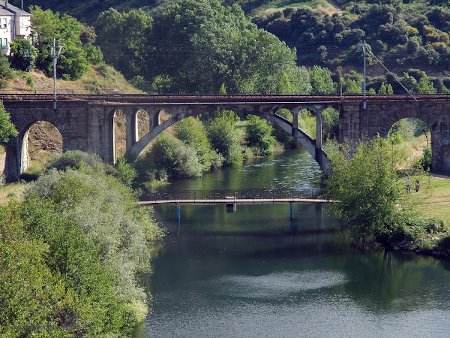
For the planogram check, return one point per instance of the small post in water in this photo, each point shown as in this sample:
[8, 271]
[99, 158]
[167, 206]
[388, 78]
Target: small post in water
[291, 211]
[178, 216]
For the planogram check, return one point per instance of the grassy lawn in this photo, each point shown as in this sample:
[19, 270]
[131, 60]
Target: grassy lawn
[12, 191]
[433, 199]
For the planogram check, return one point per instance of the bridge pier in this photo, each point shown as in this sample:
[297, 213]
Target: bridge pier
[132, 128]
[319, 137]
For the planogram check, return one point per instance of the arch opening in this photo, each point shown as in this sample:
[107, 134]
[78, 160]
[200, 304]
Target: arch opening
[144, 123]
[163, 116]
[40, 143]
[413, 139]
[119, 134]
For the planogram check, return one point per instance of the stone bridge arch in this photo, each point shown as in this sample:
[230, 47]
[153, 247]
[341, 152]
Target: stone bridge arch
[21, 141]
[380, 116]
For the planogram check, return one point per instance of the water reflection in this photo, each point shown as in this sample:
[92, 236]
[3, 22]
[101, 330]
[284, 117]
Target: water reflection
[253, 273]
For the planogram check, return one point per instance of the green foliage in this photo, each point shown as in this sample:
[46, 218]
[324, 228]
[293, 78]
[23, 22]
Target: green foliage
[123, 39]
[99, 207]
[330, 121]
[399, 34]
[259, 135]
[193, 133]
[125, 172]
[225, 139]
[175, 157]
[68, 257]
[386, 89]
[425, 86]
[7, 128]
[307, 122]
[425, 160]
[6, 73]
[170, 50]
[76, 159]
[365, 183]
[321, 80]
[23, 55]
[72, 35]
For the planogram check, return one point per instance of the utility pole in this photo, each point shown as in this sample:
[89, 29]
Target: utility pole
[55, 56]
[364, 75]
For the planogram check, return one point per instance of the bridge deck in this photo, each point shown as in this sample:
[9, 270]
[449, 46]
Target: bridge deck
[215, 99]
[240, 201]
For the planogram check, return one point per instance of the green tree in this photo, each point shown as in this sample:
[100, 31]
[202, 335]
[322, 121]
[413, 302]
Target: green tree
[23, 55]
[365, 183]
[123, 40]
[193, 133]
[425, 86]
[259, 135]
[7, 128]
[184, 36]
[67, 31]
[176, 158]
[225, 139]
[6, 73]
[321, 80]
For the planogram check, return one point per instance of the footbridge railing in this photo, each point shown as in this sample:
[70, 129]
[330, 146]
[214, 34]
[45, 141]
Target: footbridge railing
[241, 196]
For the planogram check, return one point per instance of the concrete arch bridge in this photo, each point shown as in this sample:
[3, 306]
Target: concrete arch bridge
[86, 122]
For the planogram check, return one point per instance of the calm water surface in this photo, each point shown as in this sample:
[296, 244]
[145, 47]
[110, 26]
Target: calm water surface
[254, 273]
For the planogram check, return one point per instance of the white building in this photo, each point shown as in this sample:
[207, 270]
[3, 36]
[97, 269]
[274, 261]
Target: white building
[14, 24]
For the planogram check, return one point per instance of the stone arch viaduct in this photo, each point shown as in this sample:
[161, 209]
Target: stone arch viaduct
[86, 122]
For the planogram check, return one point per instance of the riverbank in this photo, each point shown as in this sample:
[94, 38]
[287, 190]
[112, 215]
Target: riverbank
[428, 231]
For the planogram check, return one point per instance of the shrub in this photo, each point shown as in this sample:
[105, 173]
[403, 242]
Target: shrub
[178, 159]
[124, 172]
[7, 128]
[53, 279]
[193, 133]
[106, 211]
[75, 159]
[93, 54]
[259, 135]
[23, 55]
[6, 73]
[225, 139]
[365, 182]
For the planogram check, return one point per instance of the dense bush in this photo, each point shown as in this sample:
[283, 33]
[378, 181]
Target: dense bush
[176, 158]
[225, 139]
[75, 39]
[7, 128]
[90, 240]
[365, 182]
[6, 73]
[73, 248]
[259, 135]
[23, 55]
[193, 133]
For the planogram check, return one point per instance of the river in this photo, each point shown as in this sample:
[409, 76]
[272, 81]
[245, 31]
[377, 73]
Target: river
[254, 273]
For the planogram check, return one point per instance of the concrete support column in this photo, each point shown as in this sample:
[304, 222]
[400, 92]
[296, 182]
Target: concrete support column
[319, 136]
[132, 128]
[295, 121]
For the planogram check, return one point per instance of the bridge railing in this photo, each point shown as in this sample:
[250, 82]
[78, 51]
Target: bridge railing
[232, 194]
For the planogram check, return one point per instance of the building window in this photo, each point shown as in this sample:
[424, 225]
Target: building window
[5, 42]
[4, 23]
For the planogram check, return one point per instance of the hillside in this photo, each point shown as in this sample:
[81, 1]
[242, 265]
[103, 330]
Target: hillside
[100, 79]
[403, 34]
